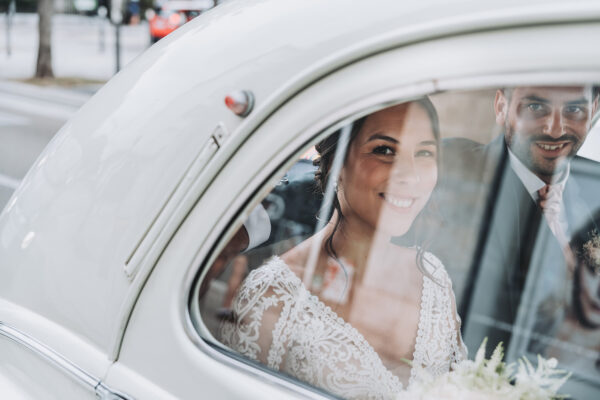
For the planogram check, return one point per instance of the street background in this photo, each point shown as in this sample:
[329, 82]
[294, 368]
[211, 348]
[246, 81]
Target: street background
[32, 111]
[83, 59]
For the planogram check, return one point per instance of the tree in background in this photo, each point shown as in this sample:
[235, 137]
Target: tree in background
[44, 59]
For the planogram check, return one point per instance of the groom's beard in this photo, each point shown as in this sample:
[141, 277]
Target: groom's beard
[524, 146]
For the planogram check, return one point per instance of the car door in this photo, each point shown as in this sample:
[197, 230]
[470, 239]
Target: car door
[170, 349]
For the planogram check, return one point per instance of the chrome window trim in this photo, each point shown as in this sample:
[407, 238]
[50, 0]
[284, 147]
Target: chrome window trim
[257, 188]
[66, 366]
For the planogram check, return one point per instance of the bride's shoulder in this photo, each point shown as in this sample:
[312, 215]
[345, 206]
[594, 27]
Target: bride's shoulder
[273, 274]
[273, 270]
[435, 268]
[432, 260]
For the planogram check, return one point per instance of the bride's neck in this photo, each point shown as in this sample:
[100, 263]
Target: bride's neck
[359, 246]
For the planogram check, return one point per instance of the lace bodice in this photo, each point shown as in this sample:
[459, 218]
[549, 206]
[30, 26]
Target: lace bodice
[281, 324]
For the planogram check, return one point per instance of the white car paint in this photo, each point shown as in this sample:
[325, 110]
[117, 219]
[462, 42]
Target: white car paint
[100, 224]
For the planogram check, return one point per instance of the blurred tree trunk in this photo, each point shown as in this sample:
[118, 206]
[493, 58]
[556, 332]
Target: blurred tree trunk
[44, 59]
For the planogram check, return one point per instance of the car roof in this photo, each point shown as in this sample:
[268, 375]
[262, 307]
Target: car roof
[96, 190]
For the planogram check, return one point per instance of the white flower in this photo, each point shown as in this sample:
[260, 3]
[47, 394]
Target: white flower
[491, 379]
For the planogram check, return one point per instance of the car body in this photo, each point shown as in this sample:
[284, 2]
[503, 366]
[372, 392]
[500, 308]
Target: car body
[103, 245]
[170, 15]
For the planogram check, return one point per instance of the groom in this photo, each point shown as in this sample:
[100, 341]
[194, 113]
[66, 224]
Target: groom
[537, 197]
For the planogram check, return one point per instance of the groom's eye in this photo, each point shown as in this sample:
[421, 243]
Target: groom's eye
[575, 112]
[537, 109]
[573, 109]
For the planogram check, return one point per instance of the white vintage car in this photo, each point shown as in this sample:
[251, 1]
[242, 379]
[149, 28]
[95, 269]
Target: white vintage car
[117, 266]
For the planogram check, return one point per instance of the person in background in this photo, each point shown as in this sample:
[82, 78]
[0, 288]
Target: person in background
[568, 323]
[133, 9]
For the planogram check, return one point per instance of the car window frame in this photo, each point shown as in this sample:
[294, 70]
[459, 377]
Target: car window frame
[223, 229]
[260, 189]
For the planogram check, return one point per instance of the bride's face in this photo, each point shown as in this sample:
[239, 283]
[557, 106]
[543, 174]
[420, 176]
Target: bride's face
[390, 170]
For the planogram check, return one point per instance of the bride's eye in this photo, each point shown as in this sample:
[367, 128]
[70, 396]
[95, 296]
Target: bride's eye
[425, 153]
[383, 150]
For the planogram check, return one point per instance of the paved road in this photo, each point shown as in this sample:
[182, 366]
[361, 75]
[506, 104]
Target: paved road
[76, 46]
[83, 48]
[29, 118]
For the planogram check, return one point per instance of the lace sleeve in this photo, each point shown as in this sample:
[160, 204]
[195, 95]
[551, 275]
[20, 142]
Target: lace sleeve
[447, 300]
[280, 324]
[460, 353]
[262, 300]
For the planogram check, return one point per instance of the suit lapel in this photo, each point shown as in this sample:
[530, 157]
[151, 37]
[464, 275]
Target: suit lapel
[516, 216]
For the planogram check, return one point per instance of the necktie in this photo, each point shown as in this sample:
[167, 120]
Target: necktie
[550, 201]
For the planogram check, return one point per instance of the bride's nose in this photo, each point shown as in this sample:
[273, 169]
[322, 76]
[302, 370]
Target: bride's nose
[405, 170]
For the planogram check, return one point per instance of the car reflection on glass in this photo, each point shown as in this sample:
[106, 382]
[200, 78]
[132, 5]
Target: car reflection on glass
[170, 15]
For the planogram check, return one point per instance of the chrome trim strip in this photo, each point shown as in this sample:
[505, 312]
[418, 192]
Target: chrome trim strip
[50, 355]
[90, 382]
[103, 392]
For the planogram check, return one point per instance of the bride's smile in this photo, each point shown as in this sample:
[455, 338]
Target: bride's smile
[402, 203]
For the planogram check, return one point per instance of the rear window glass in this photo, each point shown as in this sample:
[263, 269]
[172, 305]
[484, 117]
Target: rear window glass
[411, 233]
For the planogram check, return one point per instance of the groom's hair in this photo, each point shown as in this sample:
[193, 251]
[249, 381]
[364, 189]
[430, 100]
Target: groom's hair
[507, 91]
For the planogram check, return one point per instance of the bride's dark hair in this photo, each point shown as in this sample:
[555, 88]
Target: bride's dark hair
[327, 149]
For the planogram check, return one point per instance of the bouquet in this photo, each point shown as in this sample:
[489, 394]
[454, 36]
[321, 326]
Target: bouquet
[490, 379]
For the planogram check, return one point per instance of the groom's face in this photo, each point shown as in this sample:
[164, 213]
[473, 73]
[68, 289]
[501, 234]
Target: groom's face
[545, 126]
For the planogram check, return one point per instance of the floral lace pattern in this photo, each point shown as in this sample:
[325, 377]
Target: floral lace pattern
[279, 323]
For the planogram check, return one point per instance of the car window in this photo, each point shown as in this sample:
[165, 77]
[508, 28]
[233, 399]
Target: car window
[410, 233]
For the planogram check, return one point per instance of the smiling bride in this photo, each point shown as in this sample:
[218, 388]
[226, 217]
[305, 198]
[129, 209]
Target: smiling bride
[345, 309]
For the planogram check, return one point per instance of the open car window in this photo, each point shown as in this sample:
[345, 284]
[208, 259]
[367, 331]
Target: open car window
[414, 231]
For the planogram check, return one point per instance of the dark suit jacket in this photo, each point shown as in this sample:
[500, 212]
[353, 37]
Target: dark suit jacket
[500, 232]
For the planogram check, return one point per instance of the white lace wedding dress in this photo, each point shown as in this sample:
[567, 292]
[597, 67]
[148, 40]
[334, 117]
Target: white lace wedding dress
[279, 323]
